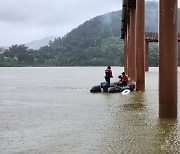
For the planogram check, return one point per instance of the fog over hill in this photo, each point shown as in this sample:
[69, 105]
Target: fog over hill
[36, 44]
[151, 24]
[151, 21]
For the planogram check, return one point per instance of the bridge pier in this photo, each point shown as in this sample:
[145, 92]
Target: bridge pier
[125, 54]
[132, 44]
[140, 47]
[168, 37]
[146, 56]
[128, 50]
[168, 51]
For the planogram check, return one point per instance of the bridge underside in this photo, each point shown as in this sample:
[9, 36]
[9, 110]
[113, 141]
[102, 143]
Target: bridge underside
[136, 50]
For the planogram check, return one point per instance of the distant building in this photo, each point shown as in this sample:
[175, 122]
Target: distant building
[1, 50]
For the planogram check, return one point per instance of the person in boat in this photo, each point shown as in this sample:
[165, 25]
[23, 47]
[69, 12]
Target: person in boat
[108, 74]
[123, 80]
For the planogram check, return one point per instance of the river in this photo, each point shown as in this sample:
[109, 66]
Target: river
[50, 110]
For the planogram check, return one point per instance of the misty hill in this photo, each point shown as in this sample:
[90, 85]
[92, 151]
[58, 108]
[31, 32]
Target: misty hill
[36, 44]
[151, 25]
[151, 16]
[96, 42]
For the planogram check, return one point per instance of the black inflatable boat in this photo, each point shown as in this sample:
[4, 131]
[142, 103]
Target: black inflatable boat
[105, 87]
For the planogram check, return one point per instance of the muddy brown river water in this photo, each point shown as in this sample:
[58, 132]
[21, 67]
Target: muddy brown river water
[50, 110]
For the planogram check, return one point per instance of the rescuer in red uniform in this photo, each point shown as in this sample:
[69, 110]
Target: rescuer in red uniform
[108, 74]
[123, 79]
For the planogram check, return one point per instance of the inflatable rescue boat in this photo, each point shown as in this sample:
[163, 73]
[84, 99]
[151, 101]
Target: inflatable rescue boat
[105, 87]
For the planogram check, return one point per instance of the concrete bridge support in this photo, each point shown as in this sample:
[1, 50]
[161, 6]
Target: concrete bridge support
[132, 45]
[146, 56]
[168, 50]
[168, 38]
[140, 44]
[125, 54]
[128, 50]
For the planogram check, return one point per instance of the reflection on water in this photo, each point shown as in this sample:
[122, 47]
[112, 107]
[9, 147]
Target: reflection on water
[136, 128]
[168, 136]
[50, 110]
[133, 107]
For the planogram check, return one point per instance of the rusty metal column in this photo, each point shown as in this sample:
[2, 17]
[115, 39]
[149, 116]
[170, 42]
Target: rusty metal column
[125, 52]
[132, 34]
[146, 56]
[168, 59]
[140, 47]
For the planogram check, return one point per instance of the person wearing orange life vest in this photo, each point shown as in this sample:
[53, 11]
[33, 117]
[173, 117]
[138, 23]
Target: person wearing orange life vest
[123, 79]
[108, 74]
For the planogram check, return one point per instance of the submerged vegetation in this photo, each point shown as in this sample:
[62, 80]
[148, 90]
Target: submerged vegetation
[96, 42]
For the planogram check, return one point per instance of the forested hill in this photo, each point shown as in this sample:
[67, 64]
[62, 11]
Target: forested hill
[94, 43]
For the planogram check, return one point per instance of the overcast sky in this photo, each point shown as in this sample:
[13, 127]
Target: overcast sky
[22, 21]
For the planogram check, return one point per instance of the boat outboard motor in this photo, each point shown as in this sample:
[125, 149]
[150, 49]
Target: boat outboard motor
[105, 86]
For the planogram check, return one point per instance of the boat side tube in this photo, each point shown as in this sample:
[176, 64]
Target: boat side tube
[121, 88]
[105, 86]
[95, 89]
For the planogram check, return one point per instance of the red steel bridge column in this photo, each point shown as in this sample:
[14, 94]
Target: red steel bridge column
[146, 56]
[132, 44]
[140, 47]
[168, 37]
